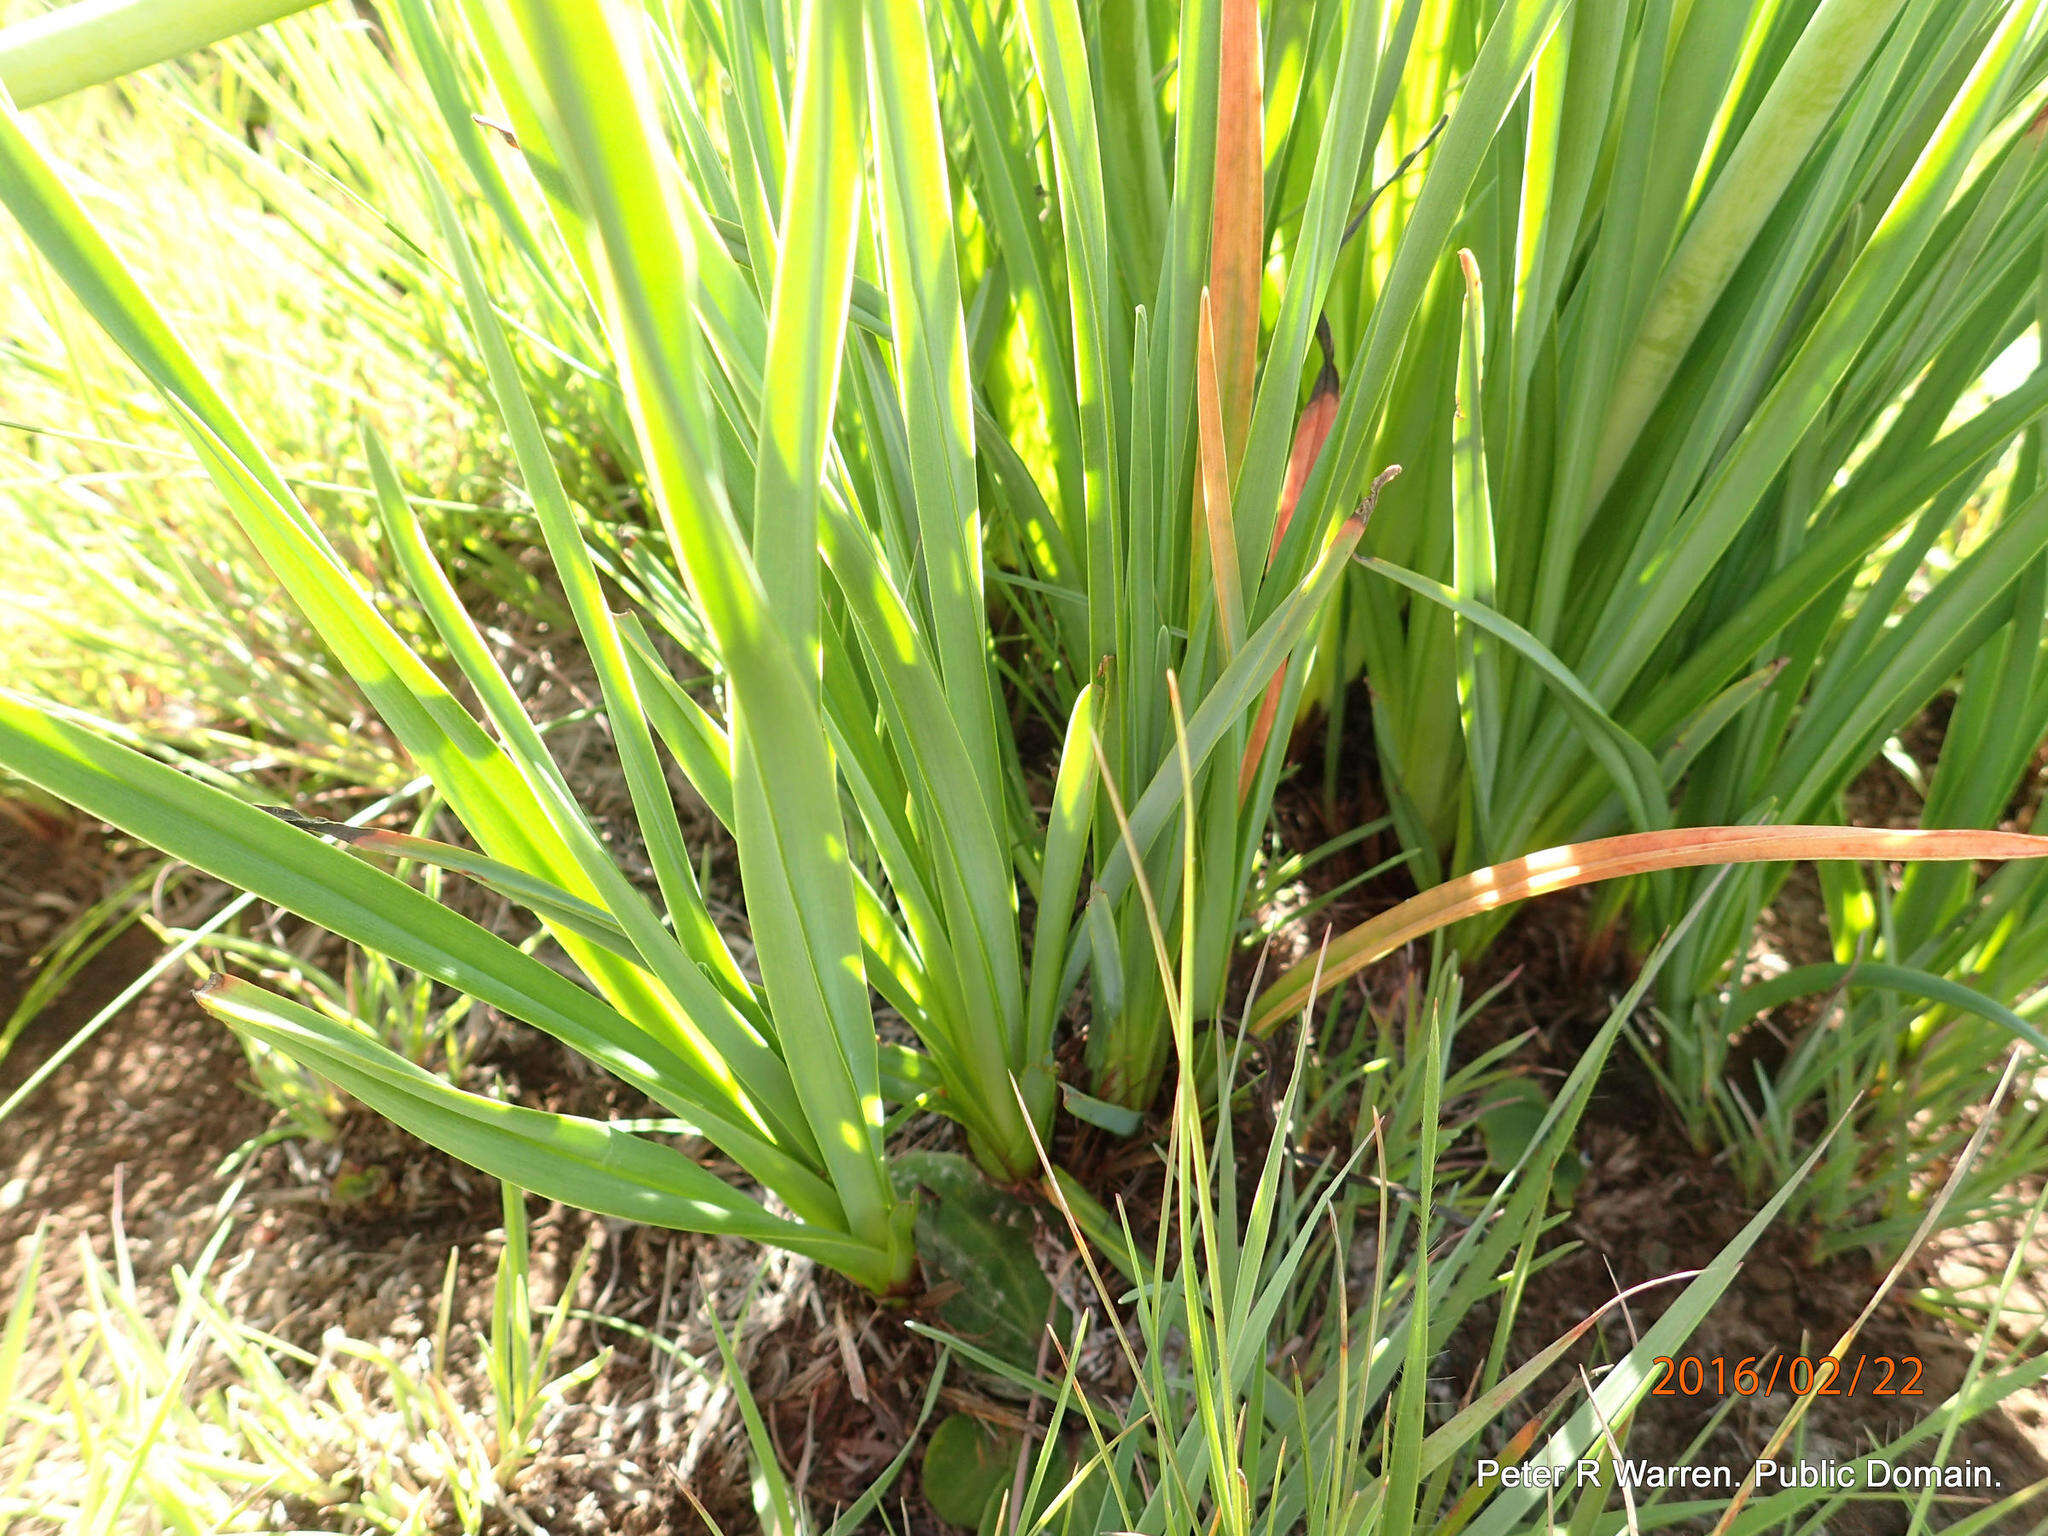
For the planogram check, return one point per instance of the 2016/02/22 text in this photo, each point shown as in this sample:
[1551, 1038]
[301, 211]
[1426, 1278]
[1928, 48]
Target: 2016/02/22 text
[1761, 1375]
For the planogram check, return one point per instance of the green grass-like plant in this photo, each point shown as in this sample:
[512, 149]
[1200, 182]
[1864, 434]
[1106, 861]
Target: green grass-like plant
[1682, 423]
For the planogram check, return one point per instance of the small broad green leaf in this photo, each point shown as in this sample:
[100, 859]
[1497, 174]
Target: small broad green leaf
[967, 1466]
[1509, 1124]
[1511, 1120]
[974, 1242]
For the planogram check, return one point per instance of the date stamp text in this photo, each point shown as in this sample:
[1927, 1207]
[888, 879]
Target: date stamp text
[1802, 1375]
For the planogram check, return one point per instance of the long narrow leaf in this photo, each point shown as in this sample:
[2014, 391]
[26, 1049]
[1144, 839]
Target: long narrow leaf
[1611, 858]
